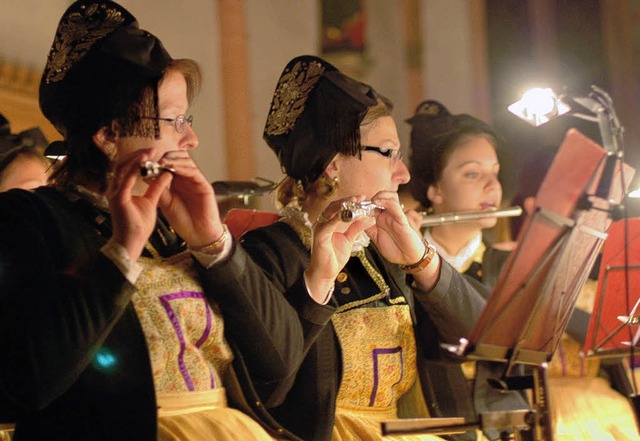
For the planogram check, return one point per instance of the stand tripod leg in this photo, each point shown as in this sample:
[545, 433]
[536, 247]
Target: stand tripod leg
[544, 427]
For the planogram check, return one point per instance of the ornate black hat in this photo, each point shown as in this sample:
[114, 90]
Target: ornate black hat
[98, 64]
[315, 113]
[434, 130]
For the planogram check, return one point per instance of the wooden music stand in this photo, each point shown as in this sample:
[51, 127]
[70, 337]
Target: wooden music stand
[535, 294]
[614, 322]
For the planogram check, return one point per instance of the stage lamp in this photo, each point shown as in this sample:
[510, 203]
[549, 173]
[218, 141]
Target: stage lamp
[540, 105]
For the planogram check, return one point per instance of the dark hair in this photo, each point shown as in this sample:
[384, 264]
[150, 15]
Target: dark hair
[435, 134]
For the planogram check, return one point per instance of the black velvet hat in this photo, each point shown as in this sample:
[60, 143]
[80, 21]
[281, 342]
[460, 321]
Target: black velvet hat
[99, 63]
[434, 130]
[32, 137]
[315, 113]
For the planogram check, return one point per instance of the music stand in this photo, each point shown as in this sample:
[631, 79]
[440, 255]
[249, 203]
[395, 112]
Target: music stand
[613, 326]
[530, 305]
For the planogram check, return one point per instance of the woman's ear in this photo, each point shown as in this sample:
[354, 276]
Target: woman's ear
[433, 194]
[332, 169]
[105, 140]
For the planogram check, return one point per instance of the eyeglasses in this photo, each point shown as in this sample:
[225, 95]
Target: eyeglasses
[178, 122]
[394, 154]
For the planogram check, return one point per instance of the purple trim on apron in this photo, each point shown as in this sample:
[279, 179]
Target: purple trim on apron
[164, 300]
[375, 353]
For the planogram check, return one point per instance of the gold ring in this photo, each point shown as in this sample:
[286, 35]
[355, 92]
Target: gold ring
[322, 219]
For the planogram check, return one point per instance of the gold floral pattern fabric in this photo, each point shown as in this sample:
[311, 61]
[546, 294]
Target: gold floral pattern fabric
[378, 355]
[291, 95]
[184, 332]
[77, 33]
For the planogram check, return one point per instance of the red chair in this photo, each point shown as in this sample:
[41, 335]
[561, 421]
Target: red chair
[241, 220]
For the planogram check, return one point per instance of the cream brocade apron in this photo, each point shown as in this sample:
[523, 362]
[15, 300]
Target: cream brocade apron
[185, 337]
[378, 367]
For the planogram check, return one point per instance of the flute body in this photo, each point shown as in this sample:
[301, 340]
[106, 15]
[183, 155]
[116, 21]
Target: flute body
[449, 218]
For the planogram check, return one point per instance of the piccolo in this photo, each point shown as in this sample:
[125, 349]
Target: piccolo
[450, 218]
[152, 169]
[354, 210]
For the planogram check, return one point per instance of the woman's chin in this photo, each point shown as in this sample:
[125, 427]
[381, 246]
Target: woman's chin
[488, 223]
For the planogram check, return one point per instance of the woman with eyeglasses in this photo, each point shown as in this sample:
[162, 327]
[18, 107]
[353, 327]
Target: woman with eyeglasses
[343, 240]
[108, 327]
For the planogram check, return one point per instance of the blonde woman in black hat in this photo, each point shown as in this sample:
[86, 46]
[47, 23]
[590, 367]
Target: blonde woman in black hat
[337, 142]
[108, 327]
[454, 169]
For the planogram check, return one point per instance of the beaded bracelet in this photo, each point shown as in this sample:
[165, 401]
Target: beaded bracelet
[425, 260]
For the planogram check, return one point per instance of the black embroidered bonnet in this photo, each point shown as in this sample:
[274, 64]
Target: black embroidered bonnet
[99, 63]
[315, 113]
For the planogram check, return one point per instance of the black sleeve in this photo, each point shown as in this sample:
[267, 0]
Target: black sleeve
[271, 317]
[60, 297]
[454, 305]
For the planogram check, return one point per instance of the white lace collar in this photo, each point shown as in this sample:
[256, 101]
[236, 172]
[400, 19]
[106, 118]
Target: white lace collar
[460, 260]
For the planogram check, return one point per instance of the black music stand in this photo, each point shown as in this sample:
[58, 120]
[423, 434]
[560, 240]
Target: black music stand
[531, 303]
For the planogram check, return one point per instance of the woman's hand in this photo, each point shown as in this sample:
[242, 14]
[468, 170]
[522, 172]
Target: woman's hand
[415, 220]
[133, 217]
[331, 248]
[393, 234]
[189, 203]
[401, 243]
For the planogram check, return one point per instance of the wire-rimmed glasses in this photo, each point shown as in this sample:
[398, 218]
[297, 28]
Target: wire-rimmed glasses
[178, 122]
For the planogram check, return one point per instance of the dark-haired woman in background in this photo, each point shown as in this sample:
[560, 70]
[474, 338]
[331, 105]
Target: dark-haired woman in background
[454, 169]
[22, 161]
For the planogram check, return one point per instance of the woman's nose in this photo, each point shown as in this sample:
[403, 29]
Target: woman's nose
[189, 138]
[402, 172]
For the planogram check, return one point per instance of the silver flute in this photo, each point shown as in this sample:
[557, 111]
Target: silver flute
[354, 210]
[152, 169]
[450, 218]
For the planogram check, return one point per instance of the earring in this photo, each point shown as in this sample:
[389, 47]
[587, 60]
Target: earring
[333, 185]
[110, 151]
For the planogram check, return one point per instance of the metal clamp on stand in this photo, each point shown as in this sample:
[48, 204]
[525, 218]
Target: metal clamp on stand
[535, 424]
